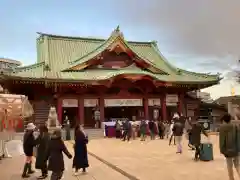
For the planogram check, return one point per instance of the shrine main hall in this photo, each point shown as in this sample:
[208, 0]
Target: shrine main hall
[104, 79]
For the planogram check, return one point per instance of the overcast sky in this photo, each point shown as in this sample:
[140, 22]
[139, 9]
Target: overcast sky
[202, 36]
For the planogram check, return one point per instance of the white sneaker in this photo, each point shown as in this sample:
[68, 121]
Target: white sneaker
[76, 173]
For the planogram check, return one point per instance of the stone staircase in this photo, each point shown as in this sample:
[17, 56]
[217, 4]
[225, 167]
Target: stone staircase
[41, 111]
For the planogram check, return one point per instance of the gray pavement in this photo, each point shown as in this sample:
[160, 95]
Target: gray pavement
[154, 160]
[11, 168]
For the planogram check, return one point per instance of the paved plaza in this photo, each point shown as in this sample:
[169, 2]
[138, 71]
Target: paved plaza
[151, 160]
[154, 160]
[11, 168]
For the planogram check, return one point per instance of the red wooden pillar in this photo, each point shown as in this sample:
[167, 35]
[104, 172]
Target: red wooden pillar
[81, 110]
[59, 110]
[101, 108]
[164, 107]
[146, 110]
[180, 103]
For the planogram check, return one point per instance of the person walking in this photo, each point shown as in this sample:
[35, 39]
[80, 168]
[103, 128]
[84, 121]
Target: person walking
[42, 143]
[134, 129]
[229, 144]
[151, 126]
[188, 128]
[118, 129]
[80, 160]
[127, 130]
[178, 132]
[161, 129]
[28, 144]
[55, 155]
[143, 129]
[167, 129]
[171, 135]
[195, 136]
[67, 128]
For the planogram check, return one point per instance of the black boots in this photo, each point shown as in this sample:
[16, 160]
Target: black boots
[30, 171]
[27, 170]
[44, 174]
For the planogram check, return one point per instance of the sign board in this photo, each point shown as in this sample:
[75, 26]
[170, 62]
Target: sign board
[192, 106]
[154, 102]
[190, 113]
[90, 102]
[171, 99]
[70, 103]
[123, 102]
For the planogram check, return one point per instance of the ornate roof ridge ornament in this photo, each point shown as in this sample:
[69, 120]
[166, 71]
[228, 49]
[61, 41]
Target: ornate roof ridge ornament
[117, 32]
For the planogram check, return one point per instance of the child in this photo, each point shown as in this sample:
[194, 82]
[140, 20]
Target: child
[55, 156]
[28, 145]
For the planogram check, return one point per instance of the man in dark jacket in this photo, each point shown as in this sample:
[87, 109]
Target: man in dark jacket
[151, 126]
[195, 134]
[229, 144]
[127, 130]
[178, 132]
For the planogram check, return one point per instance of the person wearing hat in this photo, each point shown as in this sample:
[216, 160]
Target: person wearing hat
[56, 148]
[28, 145]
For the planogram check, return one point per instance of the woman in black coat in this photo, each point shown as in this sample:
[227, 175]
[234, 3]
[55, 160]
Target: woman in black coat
[28, 145]
[56, 148]
[80, 159]
[42, 150]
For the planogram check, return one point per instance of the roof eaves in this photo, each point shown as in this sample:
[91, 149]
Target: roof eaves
[29, 67]
[205, 75]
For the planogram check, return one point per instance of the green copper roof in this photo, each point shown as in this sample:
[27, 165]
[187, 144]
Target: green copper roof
[59, 53]
[106, 74]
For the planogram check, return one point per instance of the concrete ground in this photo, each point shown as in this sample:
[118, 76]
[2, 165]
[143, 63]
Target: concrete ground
[151, 160]
[11, 168]
[154, 160]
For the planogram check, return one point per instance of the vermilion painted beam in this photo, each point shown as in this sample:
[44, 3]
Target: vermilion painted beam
[81, 111]
[59, 110]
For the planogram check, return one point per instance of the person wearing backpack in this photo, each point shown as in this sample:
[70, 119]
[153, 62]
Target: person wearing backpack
[229, 144]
